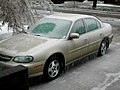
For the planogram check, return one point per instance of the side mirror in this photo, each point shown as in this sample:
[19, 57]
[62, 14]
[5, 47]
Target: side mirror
[74, 36]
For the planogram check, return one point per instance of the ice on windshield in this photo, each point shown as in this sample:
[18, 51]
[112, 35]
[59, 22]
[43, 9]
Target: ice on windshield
[44, 28]
[51, 27]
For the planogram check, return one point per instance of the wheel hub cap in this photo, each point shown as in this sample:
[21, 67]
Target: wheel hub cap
[103, 48]
[53, 68]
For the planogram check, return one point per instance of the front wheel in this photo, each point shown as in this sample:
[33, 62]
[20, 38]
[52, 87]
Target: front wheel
[52, 69]
[103, 48]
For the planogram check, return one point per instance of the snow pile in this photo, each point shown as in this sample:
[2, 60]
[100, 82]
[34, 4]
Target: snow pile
[108, 5]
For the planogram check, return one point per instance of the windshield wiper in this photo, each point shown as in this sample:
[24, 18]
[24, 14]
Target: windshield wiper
[37, 35]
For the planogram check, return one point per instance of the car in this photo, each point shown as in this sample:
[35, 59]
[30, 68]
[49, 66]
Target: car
[54, 42]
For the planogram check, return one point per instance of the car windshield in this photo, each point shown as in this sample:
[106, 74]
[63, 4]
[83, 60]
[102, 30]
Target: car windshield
[51, 28]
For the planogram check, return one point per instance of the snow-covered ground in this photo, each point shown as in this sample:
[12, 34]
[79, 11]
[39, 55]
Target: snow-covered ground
[108, 5]
[5, 32]
[4, 28]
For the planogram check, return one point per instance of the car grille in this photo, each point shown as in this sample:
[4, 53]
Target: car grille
[5, 58]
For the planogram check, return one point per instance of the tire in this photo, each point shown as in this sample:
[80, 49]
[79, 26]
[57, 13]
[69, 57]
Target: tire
[52, 69]
[103, 48]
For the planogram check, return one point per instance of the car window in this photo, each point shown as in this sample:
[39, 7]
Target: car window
[98, 24]
[92, 24]
[79, 27]
[51, 28]
[44, 28]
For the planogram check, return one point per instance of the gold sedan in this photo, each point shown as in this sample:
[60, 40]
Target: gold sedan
[54, 42]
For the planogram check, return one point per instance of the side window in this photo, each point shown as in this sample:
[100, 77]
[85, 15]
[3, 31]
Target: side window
[92, 24]
[79, 27]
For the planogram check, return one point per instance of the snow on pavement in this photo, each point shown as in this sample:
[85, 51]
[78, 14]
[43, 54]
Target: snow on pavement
[111, 78]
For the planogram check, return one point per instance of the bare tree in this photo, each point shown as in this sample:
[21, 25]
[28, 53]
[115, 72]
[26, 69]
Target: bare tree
[15, 13]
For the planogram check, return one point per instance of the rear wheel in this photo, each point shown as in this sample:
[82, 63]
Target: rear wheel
[103, 48]
[52, 69]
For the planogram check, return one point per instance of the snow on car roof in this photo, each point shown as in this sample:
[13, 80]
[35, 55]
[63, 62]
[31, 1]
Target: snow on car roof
[68, 16]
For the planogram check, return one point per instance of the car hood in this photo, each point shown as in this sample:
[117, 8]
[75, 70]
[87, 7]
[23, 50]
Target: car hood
[21, 43]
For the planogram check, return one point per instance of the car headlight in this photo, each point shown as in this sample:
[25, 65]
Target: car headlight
[23, 59]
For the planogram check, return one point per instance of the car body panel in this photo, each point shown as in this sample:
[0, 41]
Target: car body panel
[77, 47]
[21, 43]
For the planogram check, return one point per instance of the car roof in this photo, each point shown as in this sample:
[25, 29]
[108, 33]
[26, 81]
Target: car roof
[68, 16]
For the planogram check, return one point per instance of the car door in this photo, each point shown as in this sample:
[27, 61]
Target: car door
[77, 47]
[94, 33]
